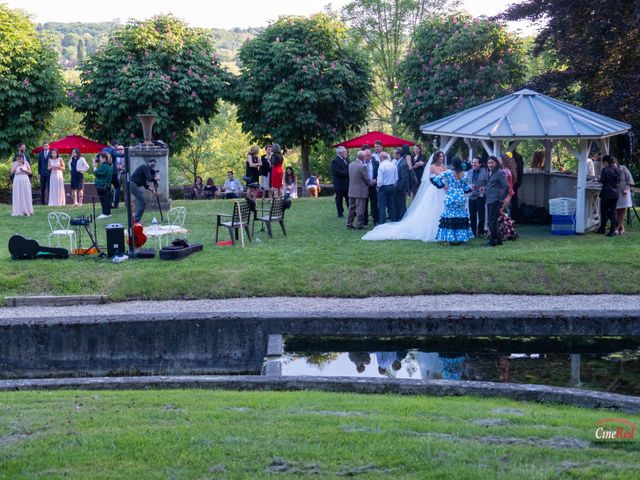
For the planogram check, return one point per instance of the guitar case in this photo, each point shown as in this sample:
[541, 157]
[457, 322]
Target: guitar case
[179, 249]
[22, 248]
[145, 253]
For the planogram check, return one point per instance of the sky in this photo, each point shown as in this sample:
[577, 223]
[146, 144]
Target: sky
[199, 13]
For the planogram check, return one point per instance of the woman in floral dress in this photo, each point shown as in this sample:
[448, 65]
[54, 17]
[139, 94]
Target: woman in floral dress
[455, 226]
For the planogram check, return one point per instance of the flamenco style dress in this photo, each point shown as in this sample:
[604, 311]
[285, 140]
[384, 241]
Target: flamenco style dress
[455, 226]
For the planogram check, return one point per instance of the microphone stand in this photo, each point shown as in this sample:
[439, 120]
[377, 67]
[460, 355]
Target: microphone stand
[127, 201]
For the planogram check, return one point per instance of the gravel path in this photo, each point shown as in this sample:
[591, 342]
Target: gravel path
[305, 305]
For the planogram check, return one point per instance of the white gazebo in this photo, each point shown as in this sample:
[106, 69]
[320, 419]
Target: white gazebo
[500, 125]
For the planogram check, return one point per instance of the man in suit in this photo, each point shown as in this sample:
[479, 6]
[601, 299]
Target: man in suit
[496, 191]
[43, 171]
[358, 191]
[477, 181]
[372, 170]
[340, 173]
[403, 187]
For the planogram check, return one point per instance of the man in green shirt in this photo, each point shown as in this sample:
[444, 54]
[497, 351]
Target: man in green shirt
[103, 172]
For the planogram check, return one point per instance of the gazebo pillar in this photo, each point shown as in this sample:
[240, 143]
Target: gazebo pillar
[548, 151]
[582, 154]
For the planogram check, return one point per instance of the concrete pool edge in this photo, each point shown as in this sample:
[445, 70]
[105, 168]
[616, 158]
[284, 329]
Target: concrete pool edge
[520, 392]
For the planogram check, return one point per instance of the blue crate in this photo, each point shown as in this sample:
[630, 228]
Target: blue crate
[563, 224]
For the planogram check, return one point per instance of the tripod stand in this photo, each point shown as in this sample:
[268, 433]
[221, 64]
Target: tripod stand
[93, 236]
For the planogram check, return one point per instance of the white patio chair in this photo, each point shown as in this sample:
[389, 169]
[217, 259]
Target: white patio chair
[175, 222]
[59, 225]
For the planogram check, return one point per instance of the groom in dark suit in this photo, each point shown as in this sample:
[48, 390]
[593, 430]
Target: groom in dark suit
[372, 164]
[340, 173]
[43, 171]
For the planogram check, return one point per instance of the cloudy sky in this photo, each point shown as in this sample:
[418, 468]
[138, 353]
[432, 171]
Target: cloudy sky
[222, 14]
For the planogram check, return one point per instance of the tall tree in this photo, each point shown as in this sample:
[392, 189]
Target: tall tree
[457, 62]
[159, 66]
[30, 80]
[302, 81]
[80, 51]
[598, 41]
[386, 27]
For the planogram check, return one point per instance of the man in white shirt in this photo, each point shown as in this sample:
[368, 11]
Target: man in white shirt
[372, 169]
[386, 183]
[232, 187]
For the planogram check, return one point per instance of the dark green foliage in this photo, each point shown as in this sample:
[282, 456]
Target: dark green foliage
[457, 62]
[30, 81]
[158, 66]
[301, 82]
[598, 41]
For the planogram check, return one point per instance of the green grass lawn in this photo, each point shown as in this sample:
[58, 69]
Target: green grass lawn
[196, 434]
[319, 257]
[211, 434]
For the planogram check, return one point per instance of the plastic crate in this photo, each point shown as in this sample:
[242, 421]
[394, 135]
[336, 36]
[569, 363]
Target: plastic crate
[563, 224]
[562, 206]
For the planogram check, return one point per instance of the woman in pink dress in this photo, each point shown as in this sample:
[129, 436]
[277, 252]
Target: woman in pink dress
[22, 200]
[56, 180]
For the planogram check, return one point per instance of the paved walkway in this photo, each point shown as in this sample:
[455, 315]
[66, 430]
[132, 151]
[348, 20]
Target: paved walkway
[588, 304]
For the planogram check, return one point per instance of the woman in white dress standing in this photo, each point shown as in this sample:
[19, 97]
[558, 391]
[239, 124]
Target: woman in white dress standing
[423, 215]
[56, 180]
[22, 198]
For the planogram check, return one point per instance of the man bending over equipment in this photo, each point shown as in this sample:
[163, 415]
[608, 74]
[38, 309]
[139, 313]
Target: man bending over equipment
[140, 179]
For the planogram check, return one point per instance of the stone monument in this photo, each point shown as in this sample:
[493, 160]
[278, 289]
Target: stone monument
[147, 150]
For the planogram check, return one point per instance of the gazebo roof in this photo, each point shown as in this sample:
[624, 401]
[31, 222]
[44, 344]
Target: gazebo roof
[526, 115]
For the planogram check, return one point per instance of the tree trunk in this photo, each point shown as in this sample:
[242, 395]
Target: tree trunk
[304, 160]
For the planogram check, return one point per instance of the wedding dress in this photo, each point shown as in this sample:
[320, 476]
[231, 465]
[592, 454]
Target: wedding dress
[422, 218]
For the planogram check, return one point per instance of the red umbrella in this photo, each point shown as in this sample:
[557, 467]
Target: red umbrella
[66, 144]
[371, 137]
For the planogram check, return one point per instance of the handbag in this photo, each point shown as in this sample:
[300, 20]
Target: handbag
[246, 178]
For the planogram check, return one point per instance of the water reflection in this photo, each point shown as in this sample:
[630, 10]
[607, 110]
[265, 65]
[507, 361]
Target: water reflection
[617, 372]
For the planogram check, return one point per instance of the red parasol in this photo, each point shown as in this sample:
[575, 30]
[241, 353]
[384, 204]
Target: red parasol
[371, 137]
[66, 144]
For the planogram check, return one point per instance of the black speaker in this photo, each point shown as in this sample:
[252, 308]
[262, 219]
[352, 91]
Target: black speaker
[115, 239]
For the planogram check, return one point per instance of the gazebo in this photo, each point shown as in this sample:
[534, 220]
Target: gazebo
[500, 125]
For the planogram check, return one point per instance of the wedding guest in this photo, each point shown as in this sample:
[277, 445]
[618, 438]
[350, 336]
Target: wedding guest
[340, 174]
[22, 150]
[252, 172]
[386, 183]
[454, 227]
[419, 162]
[103, 174]
[276, 169]
[477, 182]
[358, 191]
[77, 166]
[313, 185]
[406, 154]
[496, 191]
[624, 200]
[265, 171]
[43, 170]
[518, 164]
[372, 170]
[232, 188]
[506, 223]
[610, 180]
[117, 175]
[290, 183]
[198, 188]
[56, 180]
[210, 189]
[403, 187]
[21, 194]
[537, 162]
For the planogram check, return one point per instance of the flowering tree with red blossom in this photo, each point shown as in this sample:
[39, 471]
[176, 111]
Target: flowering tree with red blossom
[158, 66]
[301, 81]
[30, 81]
[457, 62]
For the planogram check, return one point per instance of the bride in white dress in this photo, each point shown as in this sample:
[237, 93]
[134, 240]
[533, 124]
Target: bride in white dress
[423, 215]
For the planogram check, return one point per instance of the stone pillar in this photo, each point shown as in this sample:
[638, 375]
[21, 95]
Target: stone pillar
[140, 154]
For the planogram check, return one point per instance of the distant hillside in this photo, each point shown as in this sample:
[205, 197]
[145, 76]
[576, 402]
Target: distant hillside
[73, 39]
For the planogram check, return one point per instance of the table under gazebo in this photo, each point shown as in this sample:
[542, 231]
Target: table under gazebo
[502, 124]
